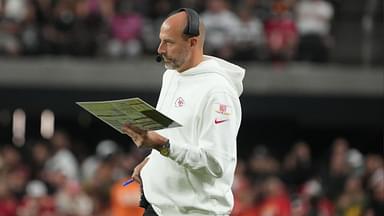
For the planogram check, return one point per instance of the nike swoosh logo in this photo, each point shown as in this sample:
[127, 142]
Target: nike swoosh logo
[220, 121]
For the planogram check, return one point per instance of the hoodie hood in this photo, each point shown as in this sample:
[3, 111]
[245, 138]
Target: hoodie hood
[234, 74]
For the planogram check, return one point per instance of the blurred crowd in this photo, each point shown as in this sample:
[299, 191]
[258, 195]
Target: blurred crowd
[342, 182]
[277, 30]
[50, 178]
[54, 178]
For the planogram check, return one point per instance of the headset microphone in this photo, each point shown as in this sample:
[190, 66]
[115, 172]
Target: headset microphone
[159, 58]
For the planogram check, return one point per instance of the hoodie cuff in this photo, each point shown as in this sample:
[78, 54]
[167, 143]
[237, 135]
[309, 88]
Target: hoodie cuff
[175, 150]
[172, 150]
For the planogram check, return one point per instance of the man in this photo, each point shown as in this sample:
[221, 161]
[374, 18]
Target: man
[191, 169]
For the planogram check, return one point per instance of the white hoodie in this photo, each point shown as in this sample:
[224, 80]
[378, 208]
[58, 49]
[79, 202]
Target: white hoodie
[197, 176]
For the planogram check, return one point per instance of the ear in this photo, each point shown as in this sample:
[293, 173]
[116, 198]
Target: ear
[193, 42]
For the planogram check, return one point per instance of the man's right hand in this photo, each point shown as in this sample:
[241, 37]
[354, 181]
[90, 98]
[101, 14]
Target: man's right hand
[137, 170]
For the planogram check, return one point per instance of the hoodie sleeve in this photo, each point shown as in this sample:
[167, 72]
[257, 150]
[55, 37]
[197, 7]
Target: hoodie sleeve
[216, 149]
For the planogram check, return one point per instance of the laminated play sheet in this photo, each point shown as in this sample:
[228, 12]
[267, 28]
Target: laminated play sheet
[133, 111]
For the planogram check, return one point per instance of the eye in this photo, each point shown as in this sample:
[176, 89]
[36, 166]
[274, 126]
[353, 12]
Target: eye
[169, 42]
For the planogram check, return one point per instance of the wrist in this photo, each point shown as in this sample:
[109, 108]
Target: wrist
[164, 149]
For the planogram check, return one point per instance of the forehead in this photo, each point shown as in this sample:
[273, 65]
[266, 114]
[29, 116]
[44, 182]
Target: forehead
[171, 28]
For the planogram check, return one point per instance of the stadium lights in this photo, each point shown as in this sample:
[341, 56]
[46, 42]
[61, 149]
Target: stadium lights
[47, 124]
[18, 127]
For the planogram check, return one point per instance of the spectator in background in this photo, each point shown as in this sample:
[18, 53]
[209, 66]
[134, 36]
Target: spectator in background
[221, 27]
[91, 26]
[376, 201]
[355, 160]
[103, 174]
[372, 164]
[102, 8]
[37, 202]
[297, 167]
[161, 8]
[281, 32]
[12, 14]
[44, 16]
[374, 184]
[313, 18]
[40, 154]
[260, 8]
[353, 200]
[334, 178]
[158, 11]
[312, 200]
[14, 170]
[72, 200]
[249, 38]
[99, 187]
[125, 33]
[125, 200]
[58, 33]
[262, 165]
[29, 35]
[244, 192]
[8, 203]
[275, 198]
[10, 157]
[63, 165]
[17, 180]
[104, 149]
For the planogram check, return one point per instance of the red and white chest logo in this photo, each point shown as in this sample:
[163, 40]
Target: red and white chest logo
[179, 102]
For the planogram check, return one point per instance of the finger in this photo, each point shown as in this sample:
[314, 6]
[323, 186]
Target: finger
[129, 132]
[136, 178]
[134, 136]
[127, 129]
[134, 128]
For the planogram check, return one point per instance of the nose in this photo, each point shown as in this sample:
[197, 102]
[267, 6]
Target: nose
[161, 48]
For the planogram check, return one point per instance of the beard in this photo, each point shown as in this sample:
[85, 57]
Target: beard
[177, 62]
[171, 64]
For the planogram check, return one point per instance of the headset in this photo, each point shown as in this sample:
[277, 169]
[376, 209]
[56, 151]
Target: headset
[192, 27]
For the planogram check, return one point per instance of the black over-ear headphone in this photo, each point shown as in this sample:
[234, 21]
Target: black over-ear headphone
[192, 28]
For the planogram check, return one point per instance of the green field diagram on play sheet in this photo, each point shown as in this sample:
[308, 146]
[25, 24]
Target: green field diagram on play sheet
[133, 111]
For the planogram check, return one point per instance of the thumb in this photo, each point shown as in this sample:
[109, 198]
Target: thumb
[136, 178]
